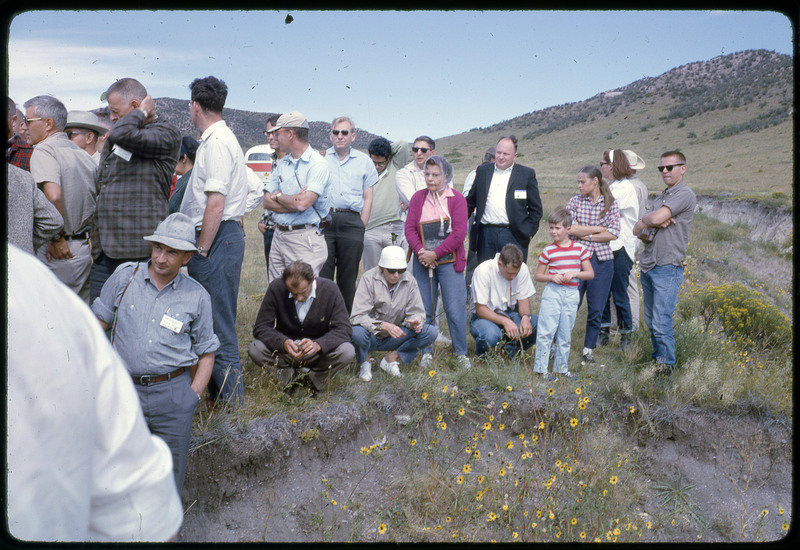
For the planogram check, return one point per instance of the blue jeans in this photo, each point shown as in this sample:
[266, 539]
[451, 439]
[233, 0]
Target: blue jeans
[488, 334]
[454, 299]
[557, 312]
[619, 289]
[596, 291]
[660, 288]
[407, 346]
[492, 239]
[219, 274]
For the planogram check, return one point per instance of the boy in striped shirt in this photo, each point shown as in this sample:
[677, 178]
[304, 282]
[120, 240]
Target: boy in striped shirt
[561, 265]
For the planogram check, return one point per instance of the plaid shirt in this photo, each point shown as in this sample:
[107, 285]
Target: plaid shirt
[133, 194]
[585, 213]
[18, 152]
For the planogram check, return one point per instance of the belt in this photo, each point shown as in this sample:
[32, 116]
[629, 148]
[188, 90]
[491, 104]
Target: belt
[295, 227]
[77, 236]
[148, 379]
[343, 210]
[497, 225]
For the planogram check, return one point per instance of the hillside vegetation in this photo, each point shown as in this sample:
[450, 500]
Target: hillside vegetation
[731, 116]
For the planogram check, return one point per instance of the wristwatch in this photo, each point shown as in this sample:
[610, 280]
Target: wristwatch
[202, 251]
[278, 194]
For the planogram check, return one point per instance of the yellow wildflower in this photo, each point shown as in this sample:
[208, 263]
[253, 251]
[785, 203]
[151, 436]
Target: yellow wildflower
[491, 517]
[510, 445]
[505, 404]
[502, 472]
[581, 405]
[487, 425]
[613, 480]
[574, 521]
[460, 480]
[461, 411]
[412, 442]
[480, 479]
[578, 391]
[466, 469]
[573, 422]
[501, 427]
[432, 373]
[382, 528]
[424, 396]
[509, 388]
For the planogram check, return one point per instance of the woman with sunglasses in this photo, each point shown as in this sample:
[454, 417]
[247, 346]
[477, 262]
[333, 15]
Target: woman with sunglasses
[443, 210]
[388, 315]
[595, 222]
[617, 170]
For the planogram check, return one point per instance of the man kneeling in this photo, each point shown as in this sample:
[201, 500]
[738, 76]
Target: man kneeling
[498, 286]
[302, 327]
[388, 315]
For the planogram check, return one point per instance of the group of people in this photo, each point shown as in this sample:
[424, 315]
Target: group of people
[160, 264]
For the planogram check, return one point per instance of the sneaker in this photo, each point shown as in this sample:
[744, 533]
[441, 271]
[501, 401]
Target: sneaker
[366, 371]
[546, 375]
[442, 339]
[568, 375]
[392, 367]
[463, 362]
[588, 359]
[426, 361]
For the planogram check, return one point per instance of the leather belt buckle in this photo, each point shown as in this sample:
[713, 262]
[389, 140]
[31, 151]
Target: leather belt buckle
[145, 380]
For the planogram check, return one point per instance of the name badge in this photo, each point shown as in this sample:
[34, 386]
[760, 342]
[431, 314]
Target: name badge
[520, 194]
[171, 324]
[122, 153]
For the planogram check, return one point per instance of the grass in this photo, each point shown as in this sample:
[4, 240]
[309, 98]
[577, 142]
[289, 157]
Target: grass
[492, 454]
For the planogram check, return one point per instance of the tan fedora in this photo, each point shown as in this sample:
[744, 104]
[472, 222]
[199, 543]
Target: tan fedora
[636, 162]
[85, 119]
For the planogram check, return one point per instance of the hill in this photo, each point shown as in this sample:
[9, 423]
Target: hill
[248, 126]
[731, 116]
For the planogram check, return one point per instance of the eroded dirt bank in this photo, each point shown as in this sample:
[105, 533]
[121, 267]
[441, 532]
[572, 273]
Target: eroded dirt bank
[274, 480]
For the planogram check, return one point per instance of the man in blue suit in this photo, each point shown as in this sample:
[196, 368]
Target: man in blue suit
[505, 199]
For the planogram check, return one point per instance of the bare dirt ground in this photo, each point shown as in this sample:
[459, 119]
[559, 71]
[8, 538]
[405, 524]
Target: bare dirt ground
[274, 480]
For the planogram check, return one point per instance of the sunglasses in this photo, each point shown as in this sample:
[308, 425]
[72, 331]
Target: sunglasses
[393, 271]
[669, 167]
[337, 132]
[420, 149]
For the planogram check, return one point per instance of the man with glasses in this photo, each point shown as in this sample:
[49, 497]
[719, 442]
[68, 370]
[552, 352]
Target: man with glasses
[388, 315]
[352, 178]
[133, 180]
[302, 330]
[665, 232]
[411, 178]
[83, 129]
[65, 173]
[506, 203]
[385, 225]
[298, 193]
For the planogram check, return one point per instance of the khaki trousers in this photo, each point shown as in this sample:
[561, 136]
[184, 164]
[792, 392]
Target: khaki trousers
[285, 369]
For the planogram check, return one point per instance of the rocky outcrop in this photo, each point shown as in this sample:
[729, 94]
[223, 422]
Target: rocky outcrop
[767, 223]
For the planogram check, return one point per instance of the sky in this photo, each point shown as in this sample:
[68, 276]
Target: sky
[396, 74]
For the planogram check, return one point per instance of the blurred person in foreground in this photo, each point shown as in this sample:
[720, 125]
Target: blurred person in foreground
[81, 464]
[161, 325]
[18, 150]
[388, 315]
[302, 329]
[32, 220]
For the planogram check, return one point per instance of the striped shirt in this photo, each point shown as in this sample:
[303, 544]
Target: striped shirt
[560, 259]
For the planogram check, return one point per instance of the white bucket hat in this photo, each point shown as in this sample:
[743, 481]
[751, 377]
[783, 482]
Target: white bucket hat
[393, 257]
[176, 231]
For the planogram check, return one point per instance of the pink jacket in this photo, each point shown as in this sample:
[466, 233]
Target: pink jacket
[457, 206]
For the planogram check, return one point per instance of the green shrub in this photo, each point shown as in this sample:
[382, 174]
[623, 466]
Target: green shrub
[745, 315]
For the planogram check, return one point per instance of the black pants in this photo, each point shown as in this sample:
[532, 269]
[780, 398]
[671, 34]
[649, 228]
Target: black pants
[345, 240]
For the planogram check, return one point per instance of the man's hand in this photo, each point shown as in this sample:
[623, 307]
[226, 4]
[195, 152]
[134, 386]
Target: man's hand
[393, 330]
[58, 250]
[415, 325]
[292, 349]
[667, 223]
[308, 347]
[262, 227]
[148, 105]
[525, 326]
[511, 328]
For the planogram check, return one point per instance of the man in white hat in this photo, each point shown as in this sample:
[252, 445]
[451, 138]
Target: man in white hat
[388, 315]
[297, 191]
[83, 129]
[161, 326]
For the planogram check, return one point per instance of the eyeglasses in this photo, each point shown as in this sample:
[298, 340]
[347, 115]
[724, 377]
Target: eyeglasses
[393, 271]
[337, 132]
[603, 163]
[380, 163]
[29, 120]
[669, 167]
[420, 149]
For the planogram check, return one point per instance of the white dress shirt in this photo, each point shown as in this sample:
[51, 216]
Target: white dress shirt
[495, 211]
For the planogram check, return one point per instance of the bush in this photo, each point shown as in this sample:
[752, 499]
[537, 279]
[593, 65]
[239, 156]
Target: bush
[745, 315]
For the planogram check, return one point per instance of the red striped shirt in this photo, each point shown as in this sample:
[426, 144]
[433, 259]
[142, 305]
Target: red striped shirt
[560, 259]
